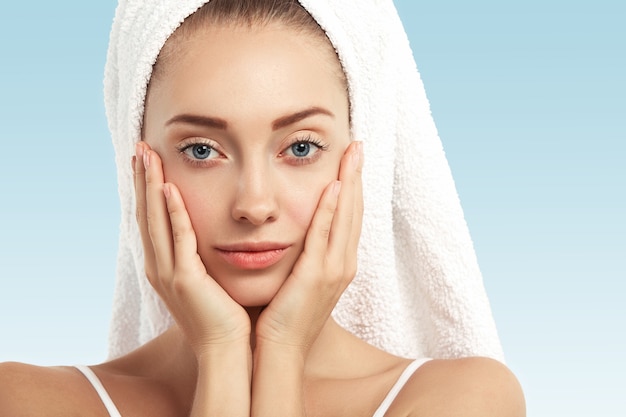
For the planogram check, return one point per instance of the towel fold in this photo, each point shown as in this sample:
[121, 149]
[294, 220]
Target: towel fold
[418, 291]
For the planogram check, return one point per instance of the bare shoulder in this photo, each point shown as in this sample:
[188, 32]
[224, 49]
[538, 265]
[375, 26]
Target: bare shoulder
[29, 390]
[470, 387]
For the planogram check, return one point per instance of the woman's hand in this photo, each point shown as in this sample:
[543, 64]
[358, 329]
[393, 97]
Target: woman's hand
[326, 266]
[215, 326]
[207, 315]
[290, 324]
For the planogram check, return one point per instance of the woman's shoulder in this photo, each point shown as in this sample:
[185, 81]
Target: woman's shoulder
[474, 386]
[30, 390]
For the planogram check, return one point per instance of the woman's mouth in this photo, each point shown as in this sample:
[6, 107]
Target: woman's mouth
[253, 255]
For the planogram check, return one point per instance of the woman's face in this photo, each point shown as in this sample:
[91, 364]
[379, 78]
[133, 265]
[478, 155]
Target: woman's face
[250, 124]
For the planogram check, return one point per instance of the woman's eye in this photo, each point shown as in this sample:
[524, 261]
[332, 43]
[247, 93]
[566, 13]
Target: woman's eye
[200, 151]
[302, 149]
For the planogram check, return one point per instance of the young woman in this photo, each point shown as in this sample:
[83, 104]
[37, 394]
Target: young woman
[249, 204]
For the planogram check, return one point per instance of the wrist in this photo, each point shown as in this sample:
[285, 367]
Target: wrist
[278, 354]
[278, 380]
[211, 353]
[224, 378]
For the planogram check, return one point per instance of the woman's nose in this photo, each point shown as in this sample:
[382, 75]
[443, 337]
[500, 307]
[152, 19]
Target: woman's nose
[255, 200]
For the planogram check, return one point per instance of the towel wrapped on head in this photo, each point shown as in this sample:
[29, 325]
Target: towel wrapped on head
[418, 291]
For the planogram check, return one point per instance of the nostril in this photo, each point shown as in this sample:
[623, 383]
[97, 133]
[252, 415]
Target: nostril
[255, 201]
[256, 212]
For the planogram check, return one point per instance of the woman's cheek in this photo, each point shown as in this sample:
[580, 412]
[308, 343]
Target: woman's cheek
[201, 204]
[197, 207]
[301, 205]
[307, 187]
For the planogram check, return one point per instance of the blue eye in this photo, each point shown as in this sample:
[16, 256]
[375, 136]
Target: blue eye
[301, 149]
[305, 150]
[199, 151]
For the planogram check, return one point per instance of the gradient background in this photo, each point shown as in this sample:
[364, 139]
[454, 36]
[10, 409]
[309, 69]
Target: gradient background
[530, 101]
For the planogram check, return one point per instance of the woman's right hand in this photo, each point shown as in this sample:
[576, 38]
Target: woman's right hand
[206, 314]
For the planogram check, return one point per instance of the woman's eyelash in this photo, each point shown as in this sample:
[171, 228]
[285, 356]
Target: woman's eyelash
[315, 141]
[200, 152]
[303, 150]
[311, 140]
[183, 146]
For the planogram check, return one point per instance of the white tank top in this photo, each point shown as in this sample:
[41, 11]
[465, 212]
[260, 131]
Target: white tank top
[397, 387]
[102, 392]
[380, 412]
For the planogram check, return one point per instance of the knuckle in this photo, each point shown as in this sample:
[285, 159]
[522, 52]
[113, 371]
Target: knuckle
[179, 234]
[139, 174]
[147, 177]
[139, 211]
[324, 232]
[150, 218]
[330, 209]
[174, 210]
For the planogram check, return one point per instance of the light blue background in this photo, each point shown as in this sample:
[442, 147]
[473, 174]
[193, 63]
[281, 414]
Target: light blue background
[530, 101]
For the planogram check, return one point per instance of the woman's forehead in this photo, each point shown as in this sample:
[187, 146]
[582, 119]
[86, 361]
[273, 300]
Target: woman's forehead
[236, 70]
[235, 41]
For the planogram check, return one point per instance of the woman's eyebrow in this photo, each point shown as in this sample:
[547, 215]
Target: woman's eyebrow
[301, 115]
[217, 123]
[193, 119]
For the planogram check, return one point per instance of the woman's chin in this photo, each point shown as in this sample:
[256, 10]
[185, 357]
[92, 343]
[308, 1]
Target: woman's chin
[253, 294]
[252, 300]
[252, 288]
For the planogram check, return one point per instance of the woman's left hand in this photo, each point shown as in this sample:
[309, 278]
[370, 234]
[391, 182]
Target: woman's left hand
[326, 266]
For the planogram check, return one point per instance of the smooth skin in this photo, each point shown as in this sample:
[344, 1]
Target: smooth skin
[254, 342]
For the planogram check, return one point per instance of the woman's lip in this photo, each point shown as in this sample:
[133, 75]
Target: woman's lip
[253, 255]
[252, 246]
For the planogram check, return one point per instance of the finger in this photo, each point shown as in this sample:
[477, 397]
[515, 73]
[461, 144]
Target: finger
[139, 179]
[316, 241]
[357, 217]
[183, 235]
[158, 218]
[342, 226]
[295, 295]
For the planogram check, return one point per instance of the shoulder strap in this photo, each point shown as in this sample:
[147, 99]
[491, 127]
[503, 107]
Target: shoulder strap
[395, 390]
[102, 392]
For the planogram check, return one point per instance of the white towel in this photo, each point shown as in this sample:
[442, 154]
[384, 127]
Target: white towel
[418, 290]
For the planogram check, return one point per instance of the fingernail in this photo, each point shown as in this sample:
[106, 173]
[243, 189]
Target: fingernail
[146, 159]
[166, 191]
